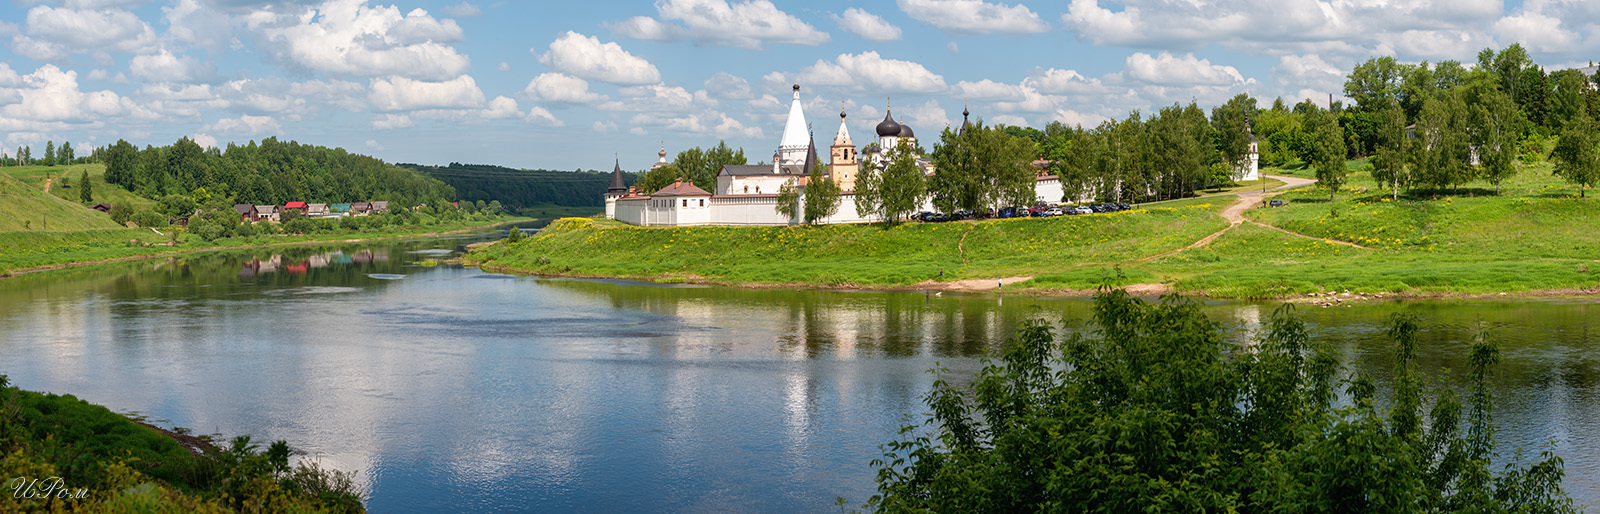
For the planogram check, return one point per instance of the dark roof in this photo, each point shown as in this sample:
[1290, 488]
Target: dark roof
[964, 123]
[681, 189]
[738, 170]
[888, 127]
[811, 156]
[905, 131]
[243, 208]
[616, 177]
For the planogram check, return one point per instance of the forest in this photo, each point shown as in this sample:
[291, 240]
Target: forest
[516, 188]
[268, 172]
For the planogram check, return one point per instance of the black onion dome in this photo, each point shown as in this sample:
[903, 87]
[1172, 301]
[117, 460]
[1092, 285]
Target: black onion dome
[888, 127]
[905, 131]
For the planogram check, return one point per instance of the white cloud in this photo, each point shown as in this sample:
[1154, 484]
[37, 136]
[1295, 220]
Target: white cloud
[1073, 118]
[1308, 71]
[556, 87]
[190, 22]
[504, 66]
[52, 95]
[952, 47]
[344, 94]
[974, 16]
[868, 26]
[1057, 81]
[165, 67]
[392, 121]
[746, 24]
[604, 126]
[651, 98]
[585, 57]
[1166, 69]
[244, 126]
[53, 33]
[462, 10]
[8, 76]
[373, 145]
[349, 38]
[540, 116]
[204, 140]
[1009, 119]
[729, 86]
[501, 107]
[928, 118]
[710, 123]
[990, 90]
[403, 94]
[869, 72]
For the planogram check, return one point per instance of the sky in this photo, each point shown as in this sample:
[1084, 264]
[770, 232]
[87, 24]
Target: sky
[574, 84]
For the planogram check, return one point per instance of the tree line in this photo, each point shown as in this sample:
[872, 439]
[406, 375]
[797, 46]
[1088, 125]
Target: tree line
[53, 156]
[517, 188]
[270, 172]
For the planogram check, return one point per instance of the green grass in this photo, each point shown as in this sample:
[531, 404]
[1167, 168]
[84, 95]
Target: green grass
[101, 191]
[875, 254]
[26, 207]
[1535, 236]
[21, 250]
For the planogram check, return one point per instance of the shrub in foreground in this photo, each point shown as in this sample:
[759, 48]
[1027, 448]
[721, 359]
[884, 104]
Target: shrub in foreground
[1155, 411]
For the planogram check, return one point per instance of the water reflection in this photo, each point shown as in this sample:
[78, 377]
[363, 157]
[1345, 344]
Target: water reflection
[457, 390]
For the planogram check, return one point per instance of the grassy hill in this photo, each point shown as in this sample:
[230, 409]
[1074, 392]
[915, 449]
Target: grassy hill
[25, 206]
[1536, 236]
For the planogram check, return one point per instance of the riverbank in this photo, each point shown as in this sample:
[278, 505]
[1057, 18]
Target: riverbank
[29, 252]
[1534, 239]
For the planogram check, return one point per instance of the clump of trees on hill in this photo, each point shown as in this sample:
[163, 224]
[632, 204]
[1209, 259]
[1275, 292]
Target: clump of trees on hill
[271, 172]
[1155, 411]
[517, 188]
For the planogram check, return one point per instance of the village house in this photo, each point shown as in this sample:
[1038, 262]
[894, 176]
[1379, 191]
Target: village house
[245, 211]
[294, 206]
[264, 213]
[316, 210]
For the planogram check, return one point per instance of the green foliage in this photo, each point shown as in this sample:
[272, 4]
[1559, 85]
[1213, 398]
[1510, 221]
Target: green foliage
[1442, 150]
[894, 189]
[148, 218]
[1389, 166]
[518, 189]
[49, 154]
[126, 467]
[822, 195]
[1156, 411]
[515, 236]
[270, 172]
[121, 211]
[1496, 127]
[177, 206]
[1577, 154]
[85, 188]
[982, 168]
[701, 166]
[1328, 157]
[658, 178]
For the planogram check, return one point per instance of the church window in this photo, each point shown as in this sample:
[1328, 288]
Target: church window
[746, 189]
[686, 202]
[702, 203]
[758, 190]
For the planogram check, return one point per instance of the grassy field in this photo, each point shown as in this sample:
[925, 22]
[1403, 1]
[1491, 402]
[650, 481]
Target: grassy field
[101, 191]
[1535, 237]
[875, 255]
[26, 207]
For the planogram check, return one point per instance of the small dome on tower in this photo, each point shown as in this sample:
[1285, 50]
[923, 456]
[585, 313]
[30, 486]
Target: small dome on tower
[888, 127]
[905, 131]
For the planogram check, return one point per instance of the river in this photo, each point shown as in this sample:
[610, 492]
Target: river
[452, 389]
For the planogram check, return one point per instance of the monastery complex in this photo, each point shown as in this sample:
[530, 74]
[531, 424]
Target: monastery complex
[748, 194]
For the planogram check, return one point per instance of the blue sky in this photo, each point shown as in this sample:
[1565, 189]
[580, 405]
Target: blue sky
[567, 85]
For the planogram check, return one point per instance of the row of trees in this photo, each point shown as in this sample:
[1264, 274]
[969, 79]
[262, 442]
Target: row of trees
[52, 156]
[696, 165]
[522, 188]
[271, 172]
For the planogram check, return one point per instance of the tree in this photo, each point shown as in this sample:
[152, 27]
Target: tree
[1156, 411]
[1232, 123]
[121, 160]
[1442, 149]
[148, 218]
[1374, 82]
[1577, 156]
[893, 189]
[85, 194]
[1567, 98]
[121, 210]
[176, 206]
[822, 195]
[658, 178]
[49, 153]
[1497, 126]
[1389, 166]
[701, 166]
[515, 236]
[982, 168]
[65, 154]
[1330, 152]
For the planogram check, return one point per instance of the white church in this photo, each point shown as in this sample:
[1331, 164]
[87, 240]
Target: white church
[748, 194]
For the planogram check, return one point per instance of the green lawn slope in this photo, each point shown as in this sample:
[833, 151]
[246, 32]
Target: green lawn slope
[26, 207]
[870, 255]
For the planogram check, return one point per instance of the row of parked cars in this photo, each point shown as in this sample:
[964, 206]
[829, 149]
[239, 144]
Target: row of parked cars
[1037, 211]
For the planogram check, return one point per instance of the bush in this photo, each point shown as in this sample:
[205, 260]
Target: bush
[121, 211]
[1156, 412]
[514, 236]
[149, 218]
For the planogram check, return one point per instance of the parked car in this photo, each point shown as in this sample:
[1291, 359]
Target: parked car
[1083, 210]
[1278, 203]
[1053, 212]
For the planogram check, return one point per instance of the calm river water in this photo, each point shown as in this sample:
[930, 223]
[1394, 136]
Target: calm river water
[452, 389]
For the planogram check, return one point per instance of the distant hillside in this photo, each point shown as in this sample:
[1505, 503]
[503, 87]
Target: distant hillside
[516, 188]
[24, 207]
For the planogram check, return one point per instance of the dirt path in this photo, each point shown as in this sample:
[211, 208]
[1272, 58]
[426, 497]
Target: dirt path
[1235, 213]
[47, 182]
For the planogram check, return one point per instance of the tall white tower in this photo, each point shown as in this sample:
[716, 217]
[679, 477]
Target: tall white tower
[792, 148]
